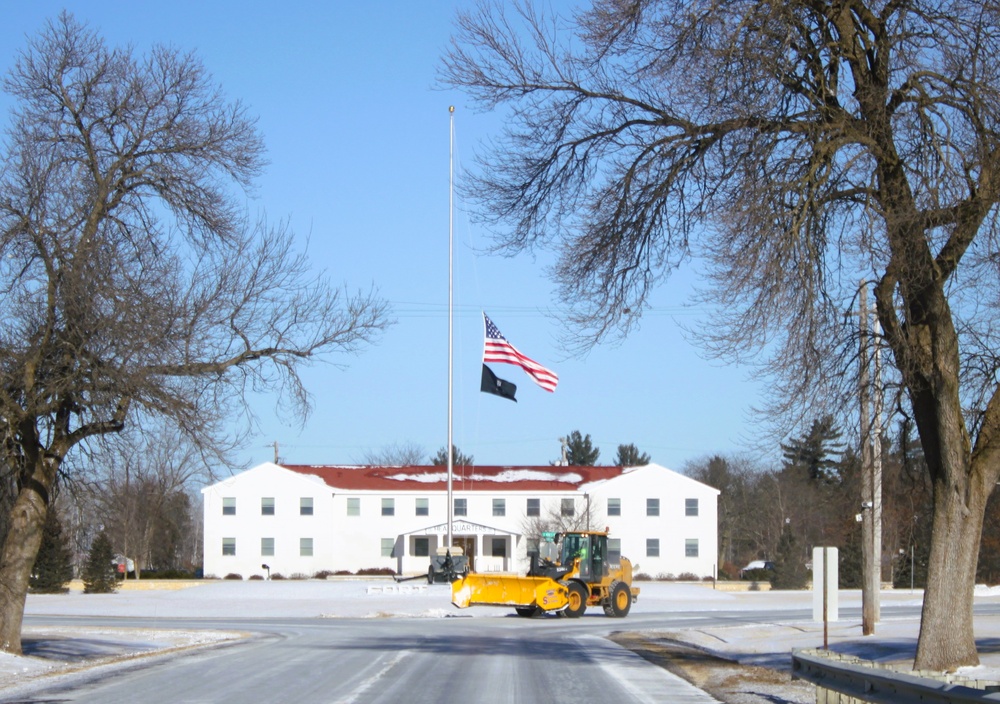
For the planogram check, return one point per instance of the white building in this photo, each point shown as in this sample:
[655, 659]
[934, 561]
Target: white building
[301, 519]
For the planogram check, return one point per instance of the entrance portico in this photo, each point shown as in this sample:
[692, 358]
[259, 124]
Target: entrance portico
[487, 548]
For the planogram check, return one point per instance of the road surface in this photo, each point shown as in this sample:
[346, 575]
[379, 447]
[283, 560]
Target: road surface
[451, 659]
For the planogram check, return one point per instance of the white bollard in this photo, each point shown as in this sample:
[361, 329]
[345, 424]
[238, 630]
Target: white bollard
[828, 578]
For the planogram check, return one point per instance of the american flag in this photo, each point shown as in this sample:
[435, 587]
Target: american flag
[499, 350]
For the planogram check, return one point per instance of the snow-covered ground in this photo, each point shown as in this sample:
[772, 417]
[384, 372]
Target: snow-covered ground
[51, 650]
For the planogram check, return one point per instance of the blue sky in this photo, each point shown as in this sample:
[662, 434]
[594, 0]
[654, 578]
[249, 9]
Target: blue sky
[358, 138]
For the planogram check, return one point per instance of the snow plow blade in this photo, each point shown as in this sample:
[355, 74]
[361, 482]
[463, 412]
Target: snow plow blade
[508, 590]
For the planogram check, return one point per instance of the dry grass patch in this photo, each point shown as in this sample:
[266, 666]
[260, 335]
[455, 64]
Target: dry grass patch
[726, 680]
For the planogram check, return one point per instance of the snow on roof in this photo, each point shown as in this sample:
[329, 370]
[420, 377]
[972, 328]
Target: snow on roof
[508, 476]
[423, 478]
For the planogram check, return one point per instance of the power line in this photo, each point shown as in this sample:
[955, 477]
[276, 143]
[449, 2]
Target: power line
[419, 309]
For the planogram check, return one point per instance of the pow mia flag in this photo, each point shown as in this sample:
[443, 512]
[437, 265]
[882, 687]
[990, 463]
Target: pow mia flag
[494, 385]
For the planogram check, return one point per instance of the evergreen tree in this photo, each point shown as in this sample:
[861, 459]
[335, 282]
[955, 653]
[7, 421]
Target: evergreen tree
[851, 575]
[53, 565]
[914, 562]
[910, 451]
[814, 451]
[580, 452]
[789, 569]
[629, 456]
[988, 567]
[457, 458]
[99, 574]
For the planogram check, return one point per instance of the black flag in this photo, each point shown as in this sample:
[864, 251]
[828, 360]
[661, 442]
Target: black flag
[492, 385]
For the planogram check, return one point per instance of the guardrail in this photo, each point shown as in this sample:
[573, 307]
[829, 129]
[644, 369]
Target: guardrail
[845, 679]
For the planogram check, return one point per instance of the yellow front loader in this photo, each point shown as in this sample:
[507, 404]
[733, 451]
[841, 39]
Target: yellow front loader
[569, 573]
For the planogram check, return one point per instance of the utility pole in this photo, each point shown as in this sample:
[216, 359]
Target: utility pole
[877, 466]
[871, 473]
[275, 443]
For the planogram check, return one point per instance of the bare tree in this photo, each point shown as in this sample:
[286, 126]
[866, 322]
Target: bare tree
[746, 531]
[139, 490]
[798, 147]
[557, 518]
[133, 286]
[397, 454]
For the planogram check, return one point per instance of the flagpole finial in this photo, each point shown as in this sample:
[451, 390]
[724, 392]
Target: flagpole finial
[451, 108]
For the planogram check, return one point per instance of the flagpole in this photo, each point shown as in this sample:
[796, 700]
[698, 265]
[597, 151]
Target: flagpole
[451, 301]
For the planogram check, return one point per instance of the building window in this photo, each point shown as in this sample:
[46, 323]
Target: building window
[229, 546]
[305, 547]
[267, 506]
[499, 547]
[306, 506]
[652, 547]
[534, 507]
[387, 546]
[353, 506]
[691, 547]
[614, 507]
[461, 507]
[228, 505]
[423, 507]
[614, 549]
[499, 507]
[421, 547]
[388, 507]
[652, 507]
[690, 507]
[567, 507]
[267, 547]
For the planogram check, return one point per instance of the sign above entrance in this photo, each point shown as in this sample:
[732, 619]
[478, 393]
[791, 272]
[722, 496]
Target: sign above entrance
[465, 527]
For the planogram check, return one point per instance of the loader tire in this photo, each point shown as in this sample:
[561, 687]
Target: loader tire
[619, 601]
[430, 575]
[577, 600]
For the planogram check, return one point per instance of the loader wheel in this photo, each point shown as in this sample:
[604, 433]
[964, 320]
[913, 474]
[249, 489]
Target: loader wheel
[577, 597]
[619, 600]
[430, 575]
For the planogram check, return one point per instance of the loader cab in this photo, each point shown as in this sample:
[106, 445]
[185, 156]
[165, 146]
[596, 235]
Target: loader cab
[591, 548]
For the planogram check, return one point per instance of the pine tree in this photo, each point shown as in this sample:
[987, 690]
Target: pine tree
[629, 456]
[912, 571]
[457, 458]
[813, 452]
[851, 575]
[99, 574]
[53, 565]
[789, 569]
[580, 452]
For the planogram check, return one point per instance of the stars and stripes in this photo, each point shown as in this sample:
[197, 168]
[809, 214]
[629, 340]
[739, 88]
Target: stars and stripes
[498, 349]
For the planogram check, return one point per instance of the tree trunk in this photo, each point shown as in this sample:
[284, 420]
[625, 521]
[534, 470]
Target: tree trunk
[946, 638]
[18, 553]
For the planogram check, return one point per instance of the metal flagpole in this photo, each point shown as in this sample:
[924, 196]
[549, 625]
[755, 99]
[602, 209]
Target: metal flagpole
[451, 264]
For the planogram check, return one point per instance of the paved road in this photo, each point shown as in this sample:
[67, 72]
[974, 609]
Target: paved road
[401, 661]
[404, 661]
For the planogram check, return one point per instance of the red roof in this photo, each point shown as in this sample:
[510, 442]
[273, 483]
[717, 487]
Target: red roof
[464, 478]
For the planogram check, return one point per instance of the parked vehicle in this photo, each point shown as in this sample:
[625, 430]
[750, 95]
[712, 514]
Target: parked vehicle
[757, 569]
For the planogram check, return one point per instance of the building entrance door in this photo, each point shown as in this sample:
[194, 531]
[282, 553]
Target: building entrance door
[468, 545]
